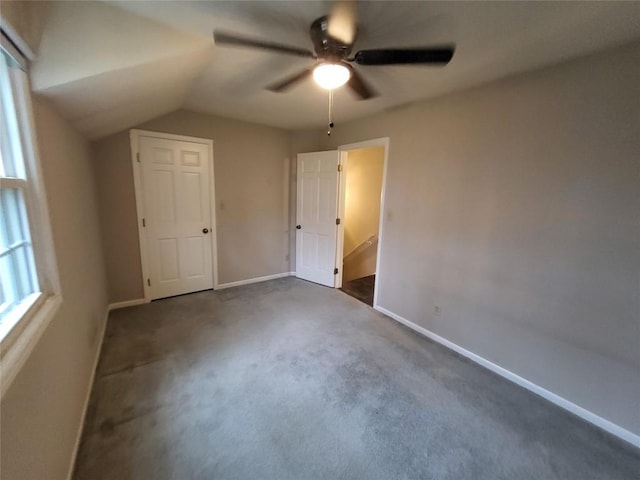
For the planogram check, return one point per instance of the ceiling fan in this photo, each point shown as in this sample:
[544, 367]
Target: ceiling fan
[333, 37]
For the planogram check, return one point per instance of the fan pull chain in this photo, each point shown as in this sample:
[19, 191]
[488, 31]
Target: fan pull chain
[330, 112]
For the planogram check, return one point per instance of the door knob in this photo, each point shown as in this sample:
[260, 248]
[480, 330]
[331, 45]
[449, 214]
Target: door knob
[298, 227]
[205, 230]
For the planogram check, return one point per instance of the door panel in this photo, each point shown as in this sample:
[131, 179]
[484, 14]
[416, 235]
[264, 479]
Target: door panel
[163, 188]
[316, 214]
[195, 253]
[168, 259]
[177, 206]
[192, 206]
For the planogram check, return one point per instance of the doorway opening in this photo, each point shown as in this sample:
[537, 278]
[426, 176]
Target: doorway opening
[362, 187]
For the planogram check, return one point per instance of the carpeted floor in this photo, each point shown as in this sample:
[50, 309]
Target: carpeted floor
[290, 380]
[361, 288]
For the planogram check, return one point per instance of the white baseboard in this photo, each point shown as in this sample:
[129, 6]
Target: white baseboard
[76, 446]
[583, 413]
[222, 286]
[126, 303]
[253, 280]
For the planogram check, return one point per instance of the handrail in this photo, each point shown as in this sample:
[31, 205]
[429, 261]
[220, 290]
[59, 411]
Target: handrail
[361, 248]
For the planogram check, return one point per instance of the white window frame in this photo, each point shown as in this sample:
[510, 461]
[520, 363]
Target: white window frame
[30, 319]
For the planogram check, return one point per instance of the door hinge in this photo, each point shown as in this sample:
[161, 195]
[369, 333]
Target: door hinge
[337, 221]
[144, 224]
[138, 156]
[149, 281]
[335, 271]
[339, 167]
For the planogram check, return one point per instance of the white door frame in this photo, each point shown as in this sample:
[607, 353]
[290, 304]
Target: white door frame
[134, 136]
[343, 149]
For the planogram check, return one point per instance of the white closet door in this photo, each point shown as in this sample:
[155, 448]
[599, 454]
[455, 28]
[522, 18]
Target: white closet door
[175, 177]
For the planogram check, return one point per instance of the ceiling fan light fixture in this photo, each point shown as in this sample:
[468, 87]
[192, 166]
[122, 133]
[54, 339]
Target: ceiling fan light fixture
[331, 75]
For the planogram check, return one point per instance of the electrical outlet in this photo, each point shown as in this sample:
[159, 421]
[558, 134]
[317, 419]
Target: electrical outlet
[437, 310]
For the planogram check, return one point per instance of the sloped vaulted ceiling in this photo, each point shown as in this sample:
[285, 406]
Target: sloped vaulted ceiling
[111, 65]
[105, 68]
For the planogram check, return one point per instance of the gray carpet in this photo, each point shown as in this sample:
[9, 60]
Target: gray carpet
[290, 380]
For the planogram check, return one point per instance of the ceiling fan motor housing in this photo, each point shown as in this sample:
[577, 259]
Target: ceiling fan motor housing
[325, 46]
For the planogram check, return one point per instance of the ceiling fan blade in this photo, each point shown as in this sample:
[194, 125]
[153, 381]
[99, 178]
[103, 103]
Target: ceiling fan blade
[231, 40]
[404, 56]
[342, 21]
[358, 86]
[288, 82]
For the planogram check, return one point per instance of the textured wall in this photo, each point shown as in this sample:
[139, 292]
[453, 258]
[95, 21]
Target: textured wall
[40, 413]
[514, 207]
[250, 163]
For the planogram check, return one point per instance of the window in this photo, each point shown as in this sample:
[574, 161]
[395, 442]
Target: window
[18, 279]
[29, 289]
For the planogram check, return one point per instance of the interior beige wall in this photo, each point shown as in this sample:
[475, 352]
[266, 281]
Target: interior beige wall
[251, 199]
[41, 412]
[361, 265]
[118, 218]
[27, 18]
[362, 196]
[514, 207]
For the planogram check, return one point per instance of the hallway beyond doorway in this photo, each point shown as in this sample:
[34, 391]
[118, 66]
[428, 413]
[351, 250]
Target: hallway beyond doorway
[361, 288]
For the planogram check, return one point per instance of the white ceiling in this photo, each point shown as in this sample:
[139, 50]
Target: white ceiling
[111, 65]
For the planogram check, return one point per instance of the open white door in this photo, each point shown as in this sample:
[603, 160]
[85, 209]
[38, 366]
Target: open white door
[316, 214]
[177, 211]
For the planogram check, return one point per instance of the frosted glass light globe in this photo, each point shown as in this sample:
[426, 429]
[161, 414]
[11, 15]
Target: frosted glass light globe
[331, 75]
